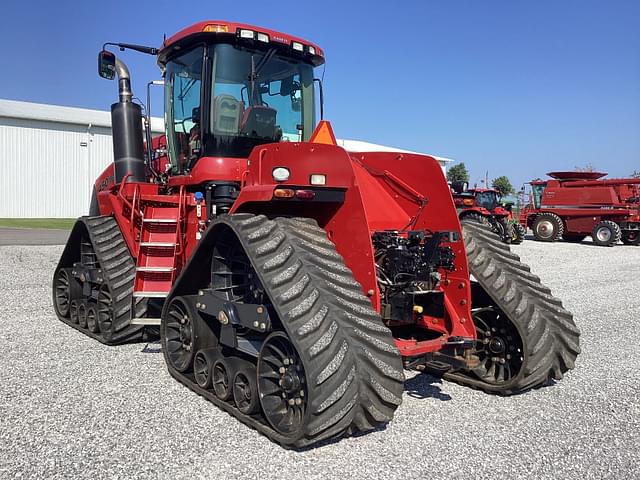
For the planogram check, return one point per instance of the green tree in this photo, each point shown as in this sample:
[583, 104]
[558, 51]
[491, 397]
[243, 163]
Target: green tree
[502, 185]
[635, 174]
[587, 168]
[458, 173]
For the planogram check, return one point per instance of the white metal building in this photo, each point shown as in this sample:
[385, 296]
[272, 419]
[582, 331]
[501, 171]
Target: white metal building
[51, 156]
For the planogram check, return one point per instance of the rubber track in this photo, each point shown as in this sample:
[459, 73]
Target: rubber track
[118, 269]
[353, 368]
[550, 336]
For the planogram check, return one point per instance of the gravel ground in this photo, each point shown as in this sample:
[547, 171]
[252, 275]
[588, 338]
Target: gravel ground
[74, 408]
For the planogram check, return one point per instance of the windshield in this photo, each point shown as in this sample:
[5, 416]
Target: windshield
[537, 194]
[487, 200]
[257, 97]
[251, 97]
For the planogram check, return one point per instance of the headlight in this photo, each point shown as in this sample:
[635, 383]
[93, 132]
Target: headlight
[280, 174]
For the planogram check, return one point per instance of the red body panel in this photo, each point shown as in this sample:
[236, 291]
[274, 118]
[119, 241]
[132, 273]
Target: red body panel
[381, 191]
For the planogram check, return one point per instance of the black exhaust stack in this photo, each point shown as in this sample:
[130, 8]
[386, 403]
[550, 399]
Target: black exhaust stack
[126, 127]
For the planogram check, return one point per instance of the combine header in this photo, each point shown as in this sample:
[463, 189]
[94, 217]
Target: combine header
[575, 204]
[290, 280]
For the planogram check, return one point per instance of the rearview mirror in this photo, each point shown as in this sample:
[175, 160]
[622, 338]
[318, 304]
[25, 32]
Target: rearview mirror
[106, 65]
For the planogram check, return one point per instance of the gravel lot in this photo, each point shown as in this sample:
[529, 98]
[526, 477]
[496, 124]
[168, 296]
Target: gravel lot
[74, 408]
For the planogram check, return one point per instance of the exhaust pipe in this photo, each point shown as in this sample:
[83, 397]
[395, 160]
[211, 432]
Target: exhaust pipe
[126, 127]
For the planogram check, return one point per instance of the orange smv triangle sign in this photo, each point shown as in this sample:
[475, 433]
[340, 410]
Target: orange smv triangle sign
[323, 134]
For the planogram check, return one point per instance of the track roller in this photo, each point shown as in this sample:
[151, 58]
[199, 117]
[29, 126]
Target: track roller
[73, 311]
[245, 388]
[222, 374]
[202, 365]
[92, 318]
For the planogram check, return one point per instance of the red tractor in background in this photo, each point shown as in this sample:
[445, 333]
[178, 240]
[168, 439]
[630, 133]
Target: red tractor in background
[573, 205]
[481, 205]
[292, 281]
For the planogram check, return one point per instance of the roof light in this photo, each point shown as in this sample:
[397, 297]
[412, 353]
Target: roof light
[263, 37]
[280, 174]
[247, 33]
[311, 50]
[318, 179]
[216, 28]
[297, 46]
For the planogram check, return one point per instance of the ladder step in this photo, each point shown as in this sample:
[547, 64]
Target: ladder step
[151, 294]
[145, 321]
[160, 220]
[157, 244]
[155, 269]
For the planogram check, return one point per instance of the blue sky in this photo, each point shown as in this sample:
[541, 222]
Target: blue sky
[509, 87]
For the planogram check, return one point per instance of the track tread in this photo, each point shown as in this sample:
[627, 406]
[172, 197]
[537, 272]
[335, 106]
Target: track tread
[354, 370]
[550, 336]
[118, 266]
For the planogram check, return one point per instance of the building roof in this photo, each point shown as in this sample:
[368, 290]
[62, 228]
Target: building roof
[360, 146]
[60, 114]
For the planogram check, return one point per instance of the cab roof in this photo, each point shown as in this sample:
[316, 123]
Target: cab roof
[210, 29]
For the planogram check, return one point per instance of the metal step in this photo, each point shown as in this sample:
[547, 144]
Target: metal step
[151, 294]
[160, 220]
[145, 321]
[155, 269]
[158, 244]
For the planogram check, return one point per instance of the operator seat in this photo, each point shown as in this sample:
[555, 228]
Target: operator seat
[227, 112]
[259, 121]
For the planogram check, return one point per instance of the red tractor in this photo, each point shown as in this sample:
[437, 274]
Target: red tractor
[290, 280]
[481, 205]
[572, 205]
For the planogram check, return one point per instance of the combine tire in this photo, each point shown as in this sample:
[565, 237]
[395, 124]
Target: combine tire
[547, 227]
[518, 234]
[328, 367]
[525, 337]
[573, 238]
[606, 233]
[100, 242]
[631, 237]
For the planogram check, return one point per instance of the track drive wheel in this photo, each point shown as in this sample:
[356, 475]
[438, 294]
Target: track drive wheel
[525, 337]
[547, 227]
[519, 233]
[177, 334]
[282, 385]
[65, 289]
[631, 237]
[606, 233]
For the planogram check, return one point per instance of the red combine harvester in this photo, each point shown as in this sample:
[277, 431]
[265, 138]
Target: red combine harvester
[290, 280]
[481, 205]
[573, 205]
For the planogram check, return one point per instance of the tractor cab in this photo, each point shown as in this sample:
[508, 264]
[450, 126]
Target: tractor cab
[486, 199]
[537, 189]
[230, 87]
